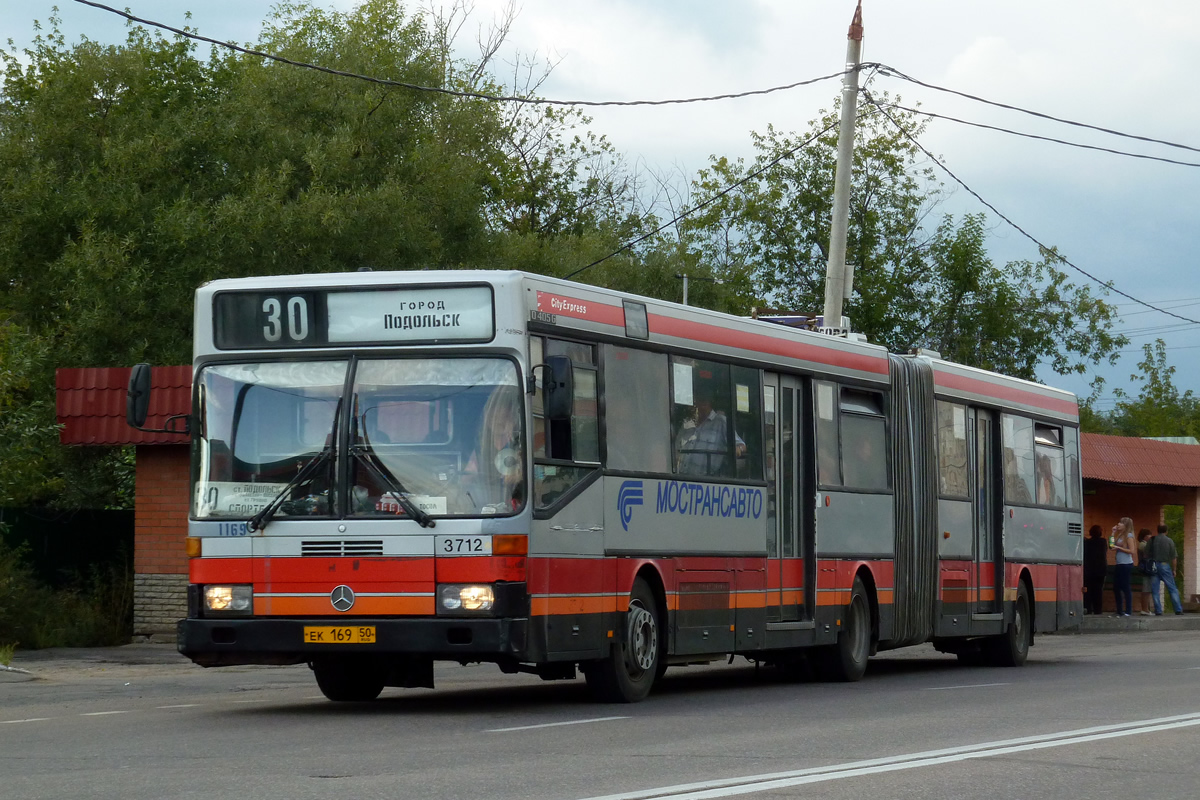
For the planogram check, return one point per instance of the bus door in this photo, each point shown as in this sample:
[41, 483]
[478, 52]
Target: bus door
[989, 560]
[786, 562]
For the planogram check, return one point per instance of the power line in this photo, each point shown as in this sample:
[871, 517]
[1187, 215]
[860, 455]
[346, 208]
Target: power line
[1043, 138]
[895, 73]
[1107, 284]
[453, 92]
[688, 212]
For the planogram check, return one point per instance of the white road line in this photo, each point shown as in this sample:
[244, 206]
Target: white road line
[17, 721]
[182, 705]
[760, 783]
[964, 686]
[256, 700]
[103, 713]
[553, 724]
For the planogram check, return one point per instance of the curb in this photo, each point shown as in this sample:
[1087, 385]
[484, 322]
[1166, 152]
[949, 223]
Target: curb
[15, 675]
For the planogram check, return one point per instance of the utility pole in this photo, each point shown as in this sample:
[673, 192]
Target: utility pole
[836, 283]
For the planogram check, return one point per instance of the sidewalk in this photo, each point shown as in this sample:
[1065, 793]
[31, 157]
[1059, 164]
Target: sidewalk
[1169, 621]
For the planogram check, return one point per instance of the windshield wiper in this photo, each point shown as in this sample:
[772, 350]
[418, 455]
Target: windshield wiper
[260, 520]
[382, 474]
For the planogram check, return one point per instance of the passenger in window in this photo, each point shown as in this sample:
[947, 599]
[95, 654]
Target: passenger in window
[704, 440]
[1045, 481]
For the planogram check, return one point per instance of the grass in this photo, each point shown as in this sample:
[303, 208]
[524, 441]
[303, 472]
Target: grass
[6, 653]
[94, 609]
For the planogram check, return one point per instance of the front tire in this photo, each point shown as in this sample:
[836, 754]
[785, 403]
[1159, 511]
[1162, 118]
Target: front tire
[634, 660]
[847, 660]
[348, 680]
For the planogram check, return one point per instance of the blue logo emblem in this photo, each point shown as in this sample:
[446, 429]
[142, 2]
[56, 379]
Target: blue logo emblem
[630, 495]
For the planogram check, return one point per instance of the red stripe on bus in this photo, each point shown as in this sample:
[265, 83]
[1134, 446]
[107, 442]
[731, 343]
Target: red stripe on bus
[581, 309]
[761, 343]
[1012, 394]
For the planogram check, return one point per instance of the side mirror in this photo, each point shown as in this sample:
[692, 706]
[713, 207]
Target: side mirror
[137, 397]
[558, 388]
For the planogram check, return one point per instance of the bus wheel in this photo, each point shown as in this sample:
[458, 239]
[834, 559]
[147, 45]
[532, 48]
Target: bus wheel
[1011, 648]
[847, 660]
[341, 679]
[632, 664]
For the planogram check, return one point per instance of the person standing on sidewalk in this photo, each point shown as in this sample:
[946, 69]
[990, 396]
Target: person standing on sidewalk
[1144, 537]
[1162, 553]
[1095, 566]
[1126, 547]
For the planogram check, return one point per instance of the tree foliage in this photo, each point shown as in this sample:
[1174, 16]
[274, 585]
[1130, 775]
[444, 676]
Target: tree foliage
[130, 174]
[915, 284]
[1158, 409]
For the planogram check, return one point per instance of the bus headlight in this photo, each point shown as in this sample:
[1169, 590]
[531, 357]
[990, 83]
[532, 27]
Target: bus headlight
[228, 600]
[456, 598]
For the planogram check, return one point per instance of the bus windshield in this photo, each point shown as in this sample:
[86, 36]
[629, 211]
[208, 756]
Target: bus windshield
[443, 434]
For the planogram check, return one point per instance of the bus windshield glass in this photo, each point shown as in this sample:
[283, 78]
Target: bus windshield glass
[445, 431]
[442, 435]
[260, 425]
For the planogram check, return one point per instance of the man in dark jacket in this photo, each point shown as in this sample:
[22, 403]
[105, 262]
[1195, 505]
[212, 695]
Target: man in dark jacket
[1161, 551]
[1095, 566]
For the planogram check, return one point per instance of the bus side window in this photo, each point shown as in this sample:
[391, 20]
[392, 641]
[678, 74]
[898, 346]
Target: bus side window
[1018, 459]
[864, 440]
[1048, 451]
[576, 439]
[952, 449]
[1073, 475]
[828, 467]
[636, 408]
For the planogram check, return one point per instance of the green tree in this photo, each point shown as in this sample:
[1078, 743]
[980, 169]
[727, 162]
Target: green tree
[131, 174]
[915, 285]
[1159, 408]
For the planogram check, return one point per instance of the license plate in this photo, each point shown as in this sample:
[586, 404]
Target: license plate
[341, 634]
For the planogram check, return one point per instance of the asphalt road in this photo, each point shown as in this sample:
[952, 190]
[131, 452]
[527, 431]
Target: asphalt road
[1088, 717]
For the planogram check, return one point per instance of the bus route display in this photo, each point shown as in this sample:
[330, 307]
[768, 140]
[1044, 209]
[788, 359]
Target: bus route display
[274, 319]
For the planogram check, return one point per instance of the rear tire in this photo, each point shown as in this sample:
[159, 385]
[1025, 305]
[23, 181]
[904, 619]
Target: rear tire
[634, 660]
[847, 660]
[1011, 648]
[348, 680]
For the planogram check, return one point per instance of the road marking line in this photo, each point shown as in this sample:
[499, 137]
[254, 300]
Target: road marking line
[31, 719]
[256, 700]
[760, 783]
[103, 713]
[182, 705]
[964, 686]
[553, 724]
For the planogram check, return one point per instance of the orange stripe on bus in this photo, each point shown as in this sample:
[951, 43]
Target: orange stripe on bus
[363, 606]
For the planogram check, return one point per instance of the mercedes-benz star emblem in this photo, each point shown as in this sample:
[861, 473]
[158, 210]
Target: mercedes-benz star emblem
[342, 598]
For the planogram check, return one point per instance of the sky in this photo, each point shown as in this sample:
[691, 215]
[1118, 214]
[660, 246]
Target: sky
[1119, 64]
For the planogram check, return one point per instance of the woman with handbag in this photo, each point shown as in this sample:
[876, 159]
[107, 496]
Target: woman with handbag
[1126, 547]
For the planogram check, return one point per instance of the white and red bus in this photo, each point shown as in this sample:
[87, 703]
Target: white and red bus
[395, 468]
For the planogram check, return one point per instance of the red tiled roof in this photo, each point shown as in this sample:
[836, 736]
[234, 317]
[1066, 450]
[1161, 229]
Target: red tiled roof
[1122, 459]
[90, 405]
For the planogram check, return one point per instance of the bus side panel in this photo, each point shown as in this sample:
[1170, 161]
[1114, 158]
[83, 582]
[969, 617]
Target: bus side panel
[835, 584]
[855, 524]
[571, 602]
[1044, 578]
[1070, 596]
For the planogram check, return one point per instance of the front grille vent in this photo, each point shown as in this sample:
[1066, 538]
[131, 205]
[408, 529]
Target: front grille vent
[1075, 528]
[350, 548]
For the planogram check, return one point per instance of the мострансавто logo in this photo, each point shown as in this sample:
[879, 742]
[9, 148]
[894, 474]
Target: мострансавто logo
[692, 500]
[630, 495]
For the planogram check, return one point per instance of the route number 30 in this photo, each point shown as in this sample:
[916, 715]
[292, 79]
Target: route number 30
[296, 319]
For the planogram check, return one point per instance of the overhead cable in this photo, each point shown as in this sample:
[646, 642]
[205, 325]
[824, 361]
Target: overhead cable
[884, 69]
[454, 92]
[687, 212]
[1107, 284]
[1042, 138]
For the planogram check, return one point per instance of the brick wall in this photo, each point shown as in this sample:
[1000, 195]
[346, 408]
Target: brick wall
[161, 510]
[160, 561]
[159, 601]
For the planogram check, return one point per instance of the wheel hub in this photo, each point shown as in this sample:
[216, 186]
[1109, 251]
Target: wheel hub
[642, 639]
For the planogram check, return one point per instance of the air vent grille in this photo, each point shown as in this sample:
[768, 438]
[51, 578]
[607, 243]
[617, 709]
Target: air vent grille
[1075, 528]
[333, 548]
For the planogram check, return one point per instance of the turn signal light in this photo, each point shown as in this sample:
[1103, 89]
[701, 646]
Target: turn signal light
[510, 544]
[193, 546]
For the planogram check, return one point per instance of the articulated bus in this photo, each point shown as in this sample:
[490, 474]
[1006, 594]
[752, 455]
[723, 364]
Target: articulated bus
[395, 468]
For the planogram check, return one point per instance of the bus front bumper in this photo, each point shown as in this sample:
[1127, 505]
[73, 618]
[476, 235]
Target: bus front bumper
[229, 642]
